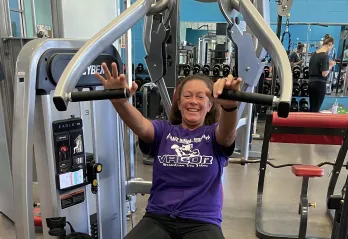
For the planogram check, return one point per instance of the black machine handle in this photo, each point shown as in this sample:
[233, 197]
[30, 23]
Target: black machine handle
[247, 97]
[99, 95]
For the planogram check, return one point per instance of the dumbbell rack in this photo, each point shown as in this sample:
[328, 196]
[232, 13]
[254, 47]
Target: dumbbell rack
[215, 72]
[300, 89]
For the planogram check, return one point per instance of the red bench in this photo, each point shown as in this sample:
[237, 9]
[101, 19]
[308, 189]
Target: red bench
[307, 171]
[309, 128]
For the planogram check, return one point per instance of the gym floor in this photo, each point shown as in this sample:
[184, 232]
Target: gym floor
[281, 196]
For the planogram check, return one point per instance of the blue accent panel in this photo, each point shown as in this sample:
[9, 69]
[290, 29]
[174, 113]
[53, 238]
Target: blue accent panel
[193, 35]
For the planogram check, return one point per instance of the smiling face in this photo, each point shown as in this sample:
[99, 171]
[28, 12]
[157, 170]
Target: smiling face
[194, 104]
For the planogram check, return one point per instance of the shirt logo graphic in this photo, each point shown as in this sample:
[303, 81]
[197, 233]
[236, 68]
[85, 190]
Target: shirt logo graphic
[184, 156]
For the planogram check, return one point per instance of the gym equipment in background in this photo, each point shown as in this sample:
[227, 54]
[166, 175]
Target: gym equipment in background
[296, 87]
[296, 72]
[216, 70]
[186, 69]
[206, 70]
[313, 129]
[196, 68]
[304, 88]
[294, 105]
[303, 105]
[226, 69]
[305, 71]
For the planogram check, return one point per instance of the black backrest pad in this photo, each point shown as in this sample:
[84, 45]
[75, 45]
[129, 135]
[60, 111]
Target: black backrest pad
[53, 62]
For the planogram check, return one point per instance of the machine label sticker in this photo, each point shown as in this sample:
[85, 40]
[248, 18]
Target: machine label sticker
[70, 179]
[72, 199]
[21, 73]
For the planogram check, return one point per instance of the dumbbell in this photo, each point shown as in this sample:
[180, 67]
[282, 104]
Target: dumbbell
[139, 82]
[138, 100]
[263, 109]
[196, 68]
[186, 69]
[140, 67]
[306, 72]
[304, 105]
[266, 87]
[226, 70]
[216, 70]
[266, 71]
[147, 80]
[206, 70]
[277, 88]
[294, 105]
[296, 87]
[304, 88]
[296, 72]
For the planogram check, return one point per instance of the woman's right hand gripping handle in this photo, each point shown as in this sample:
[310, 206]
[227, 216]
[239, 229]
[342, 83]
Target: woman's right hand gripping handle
[141, 126]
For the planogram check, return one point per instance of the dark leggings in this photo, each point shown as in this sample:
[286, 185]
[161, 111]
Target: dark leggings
[316, 91]
[153, 226]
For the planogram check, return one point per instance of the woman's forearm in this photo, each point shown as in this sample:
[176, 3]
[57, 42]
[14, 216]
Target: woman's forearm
[226, 130]
[141, 126]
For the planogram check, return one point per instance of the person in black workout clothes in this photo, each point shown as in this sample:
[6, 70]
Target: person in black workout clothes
[295, 57]
[319, 68]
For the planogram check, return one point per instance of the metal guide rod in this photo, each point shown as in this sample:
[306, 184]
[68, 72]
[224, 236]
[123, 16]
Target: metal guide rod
[129, 137]
[167, 103]
[94, 47]
[273, 46]
[274, 70]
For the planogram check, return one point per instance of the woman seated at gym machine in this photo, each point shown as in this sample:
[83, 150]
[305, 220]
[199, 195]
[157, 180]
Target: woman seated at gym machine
[189, 154]
[295, 57]
[319, 69]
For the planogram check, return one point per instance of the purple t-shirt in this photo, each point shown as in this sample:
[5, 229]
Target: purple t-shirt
[187, 171]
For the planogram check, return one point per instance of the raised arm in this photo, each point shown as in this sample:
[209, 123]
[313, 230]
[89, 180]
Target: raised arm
[226, 129]
[141, 126]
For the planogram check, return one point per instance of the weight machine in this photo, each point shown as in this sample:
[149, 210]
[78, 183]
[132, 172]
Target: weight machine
[88, 191]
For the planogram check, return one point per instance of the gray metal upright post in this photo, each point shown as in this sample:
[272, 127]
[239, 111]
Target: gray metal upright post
[57, 19]
[173, 44]
[5, 26]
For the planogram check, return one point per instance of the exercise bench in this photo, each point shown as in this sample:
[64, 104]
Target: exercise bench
[304, 128]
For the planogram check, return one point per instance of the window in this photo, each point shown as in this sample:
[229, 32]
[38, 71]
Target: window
[17, 18]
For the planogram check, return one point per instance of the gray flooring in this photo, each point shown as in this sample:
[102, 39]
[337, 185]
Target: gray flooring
[282, 190]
